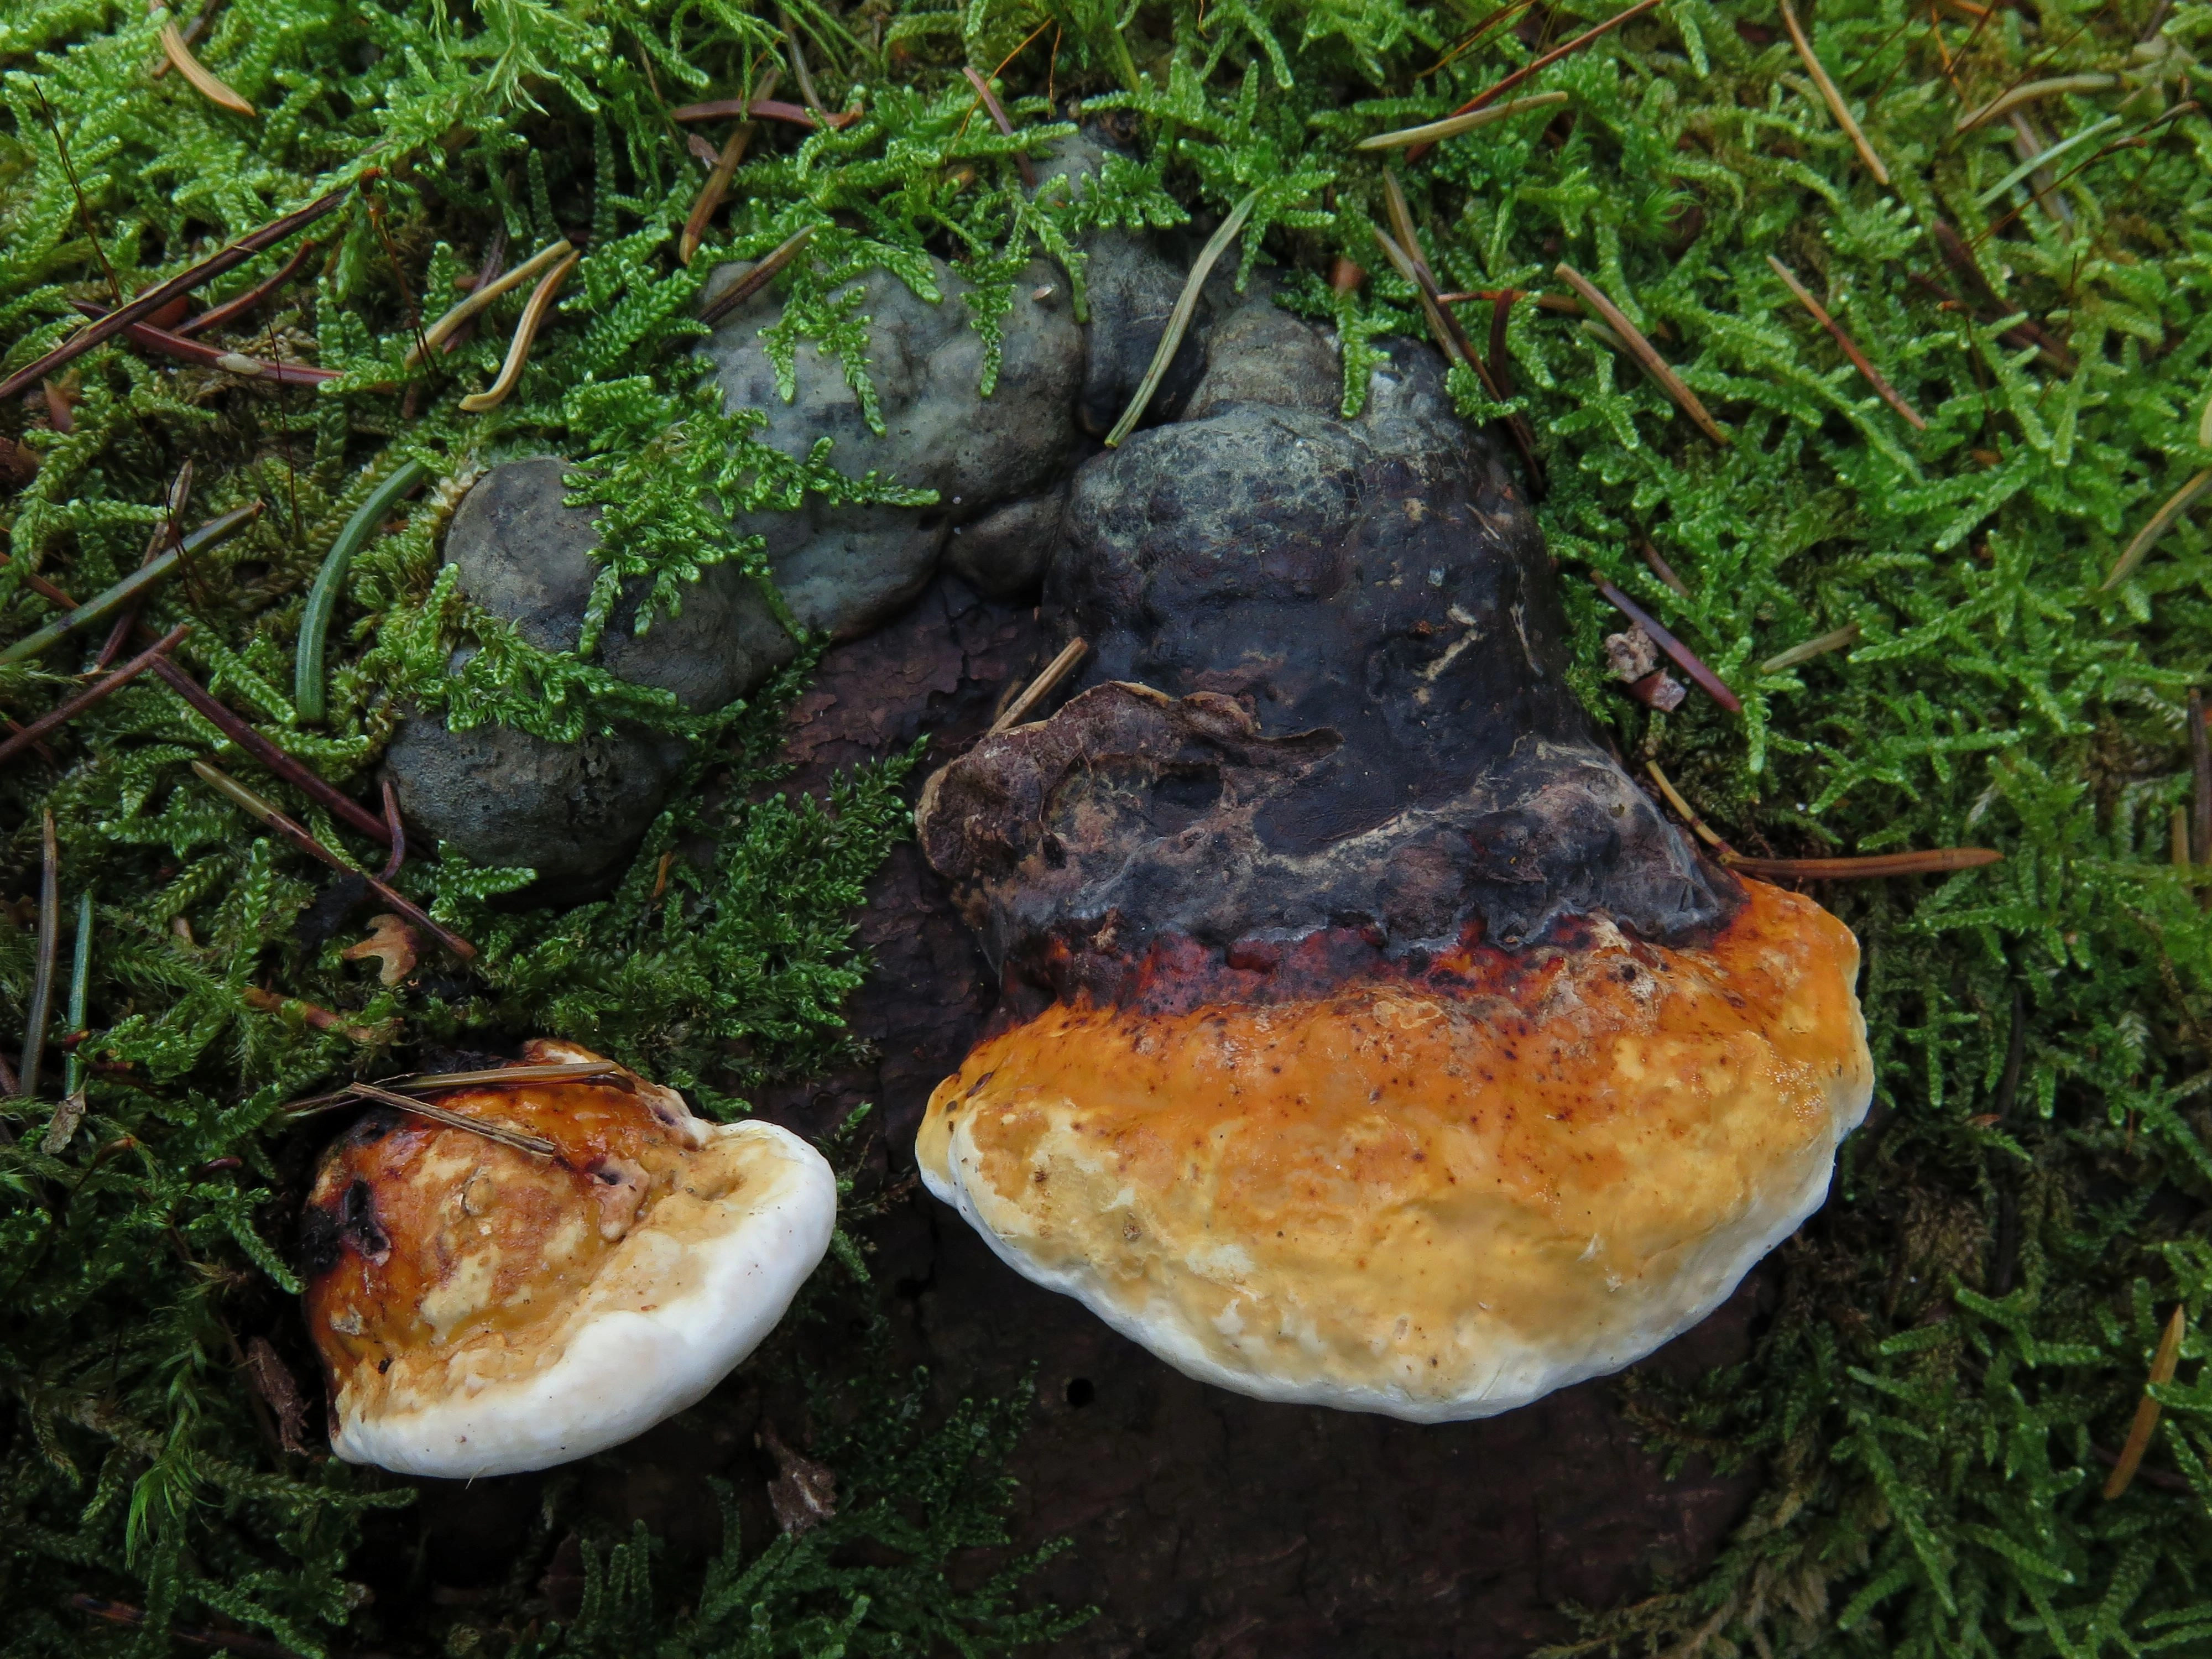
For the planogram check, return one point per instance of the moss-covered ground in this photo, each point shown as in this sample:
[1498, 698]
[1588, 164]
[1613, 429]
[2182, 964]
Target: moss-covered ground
[1965, 1332]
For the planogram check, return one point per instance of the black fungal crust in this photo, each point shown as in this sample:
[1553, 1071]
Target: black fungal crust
[1325, 691]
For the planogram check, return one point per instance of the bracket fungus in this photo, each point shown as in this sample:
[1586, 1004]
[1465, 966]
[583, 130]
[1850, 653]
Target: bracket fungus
[1368, 1038]
[485, 1309]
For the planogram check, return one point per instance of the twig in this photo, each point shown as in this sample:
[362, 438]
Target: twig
[308, 679]
[40, 1006]
[1475, 36]
[145, 305]
[1688, 813]
[1848, 635]
[2145, 539]
[268, 754]
[526, 331]
[999, 115]
[1040, 688]
[260, 294]
[1683, 657]
[270, 1002]
[2026, 332]
[485, 293]
[373, 200]
[763, 109]
[396, 828]
[1643, 352]
[1936, 861]
[208, 356]
[718, 181]
[1851, 346]
[84, 208]
[1434, 132]
[301, 837]
[1406, 258]
[1836, 108]
[1452, 341]
[138, 582]
[518, 1139]
[1185, 306]
[205, 81]
[92, 694]
[757, 278]
[1538, 65]
[2177, 838]
[2162, 1366]
[2005, 103]
[15, 726]
[798, 60]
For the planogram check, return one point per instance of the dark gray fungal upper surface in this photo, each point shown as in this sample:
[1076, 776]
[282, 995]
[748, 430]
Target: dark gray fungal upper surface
[1343, 634]
[1326, 690]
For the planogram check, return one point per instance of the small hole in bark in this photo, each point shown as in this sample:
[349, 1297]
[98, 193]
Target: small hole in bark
[1081, 1391]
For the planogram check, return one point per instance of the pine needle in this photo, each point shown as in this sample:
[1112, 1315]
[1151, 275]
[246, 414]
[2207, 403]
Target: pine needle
[2162, 1366]
[145, 305]
[1631, 338]
[2005, 103]
[2160, 521]
[1680, 654]
[1859, 361]
[526, 331]
[520, 1139]
[1451, 127]
[1186, 307]
[1538, 65]
[1936, 861]
[205, 81]
[1848, 635]
[482, 298]
[757, 278]
[1835, 99]
[1040, 688]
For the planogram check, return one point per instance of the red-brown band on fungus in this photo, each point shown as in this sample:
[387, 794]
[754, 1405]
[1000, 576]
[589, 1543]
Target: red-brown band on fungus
[482, 1309]
[1367, 1037]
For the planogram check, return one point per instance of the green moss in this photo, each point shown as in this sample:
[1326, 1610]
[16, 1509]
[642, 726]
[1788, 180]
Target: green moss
[1963, 1329]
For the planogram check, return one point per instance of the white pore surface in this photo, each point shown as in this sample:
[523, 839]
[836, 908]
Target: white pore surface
[622, 1369]
[1667, 1297]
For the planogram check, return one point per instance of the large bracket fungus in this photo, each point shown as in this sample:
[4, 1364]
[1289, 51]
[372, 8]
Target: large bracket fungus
[1368, 1038]
[486, 1309]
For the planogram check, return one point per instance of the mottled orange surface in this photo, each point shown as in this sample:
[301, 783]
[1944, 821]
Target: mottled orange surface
[442, 1234]
[1515, 1164]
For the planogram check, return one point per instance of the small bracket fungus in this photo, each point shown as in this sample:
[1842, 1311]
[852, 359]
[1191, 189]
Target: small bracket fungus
[1367, 1037]
[483, 1310]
